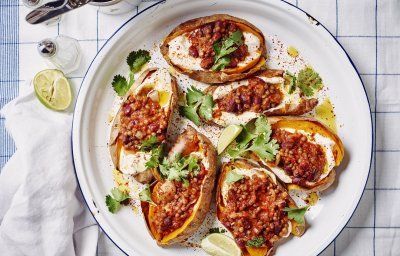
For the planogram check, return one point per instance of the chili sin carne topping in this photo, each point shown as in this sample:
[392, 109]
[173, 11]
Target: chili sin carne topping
[203, 38]
[141, 118]
[258, 96]
[176, 203]
[302, 160]
[254, 209]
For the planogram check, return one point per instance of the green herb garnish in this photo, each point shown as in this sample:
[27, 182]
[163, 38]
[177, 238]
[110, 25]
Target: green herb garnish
[308, 81]
[225, 47]
[149, 144]
[157, 151]
[232, 177]
[145, 195]
[290, 81]
[120, 85]
[256, 242]
[197, 102]
[114, 200]
[216, 230]
[258, 141]
[179, 167]
[157, 154]
[296, 214]
[136, 60]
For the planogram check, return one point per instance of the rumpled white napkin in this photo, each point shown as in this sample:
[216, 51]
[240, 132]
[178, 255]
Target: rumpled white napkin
[41, 208]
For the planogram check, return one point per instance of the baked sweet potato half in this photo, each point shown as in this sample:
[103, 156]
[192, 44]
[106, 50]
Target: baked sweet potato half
[263, 93]
[144, 115]
[308, 153]
[253, 205]
[215, 49]
[182, 192]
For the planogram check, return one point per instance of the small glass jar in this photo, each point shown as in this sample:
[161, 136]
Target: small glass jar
[61, 52]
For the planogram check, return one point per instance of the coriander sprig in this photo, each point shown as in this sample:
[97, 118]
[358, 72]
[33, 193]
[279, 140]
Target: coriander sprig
[157, 151]
[179, 167]
[258, 141]
[114, 200]
[256, 242]
[135, 60]
[308, 81]
[225, 47]
[296, 214]
[197, 105]
[145, 195]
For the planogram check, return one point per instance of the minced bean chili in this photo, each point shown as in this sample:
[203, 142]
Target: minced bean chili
[258, 96]
[203, 38]
[141, 118]
[254, 209]
[177, 203]
[302, 160]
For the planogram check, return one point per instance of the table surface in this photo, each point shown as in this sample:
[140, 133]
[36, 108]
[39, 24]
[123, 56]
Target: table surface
[369, 30]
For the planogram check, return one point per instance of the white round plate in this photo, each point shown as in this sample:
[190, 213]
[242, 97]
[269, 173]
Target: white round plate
[289, 24]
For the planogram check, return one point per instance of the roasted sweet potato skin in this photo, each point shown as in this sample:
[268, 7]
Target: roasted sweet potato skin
[245, 164]
[209, 76]
[205, 197]
[115, 144]
[303, 106]
[312, 126]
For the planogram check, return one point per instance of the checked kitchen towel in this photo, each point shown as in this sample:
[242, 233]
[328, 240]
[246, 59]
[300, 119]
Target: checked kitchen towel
[369, 30]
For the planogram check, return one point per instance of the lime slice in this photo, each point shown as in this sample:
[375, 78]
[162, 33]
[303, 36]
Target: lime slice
[52, 89]
[227, 136]
[220, 245]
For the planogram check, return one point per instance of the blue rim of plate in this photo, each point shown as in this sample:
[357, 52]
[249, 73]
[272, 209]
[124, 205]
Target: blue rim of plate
[309, 16]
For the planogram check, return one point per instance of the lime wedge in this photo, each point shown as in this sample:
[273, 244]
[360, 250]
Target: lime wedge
[52, 89]
[227, 136]
[220, 245]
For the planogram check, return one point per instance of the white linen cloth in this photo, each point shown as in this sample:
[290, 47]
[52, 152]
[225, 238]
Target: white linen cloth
[369, 31]
[41, 210]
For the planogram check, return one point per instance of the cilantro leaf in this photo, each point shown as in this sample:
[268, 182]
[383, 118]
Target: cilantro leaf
[190, 113]
[216, 230]
[119, 195]
[309, 81]
[194, 95]
[114, 200]
[224, 48]
[232, 177]
[307, 91]
[197, 101]
[244, 137]
[149, 143]
[258, 141]
[221, 63]
[112, 204]
[145, 195]
[205, 110]
[178, 168]
[263, 127]
[236, 37]
[264, 148]
[290, 81]
[193, 165]
[235, 152]
[156, 155]
[120, 85]
[137, 59]
[296, 214]
[256, 242]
